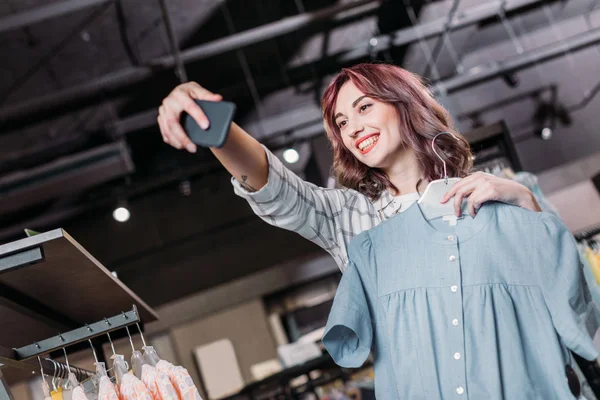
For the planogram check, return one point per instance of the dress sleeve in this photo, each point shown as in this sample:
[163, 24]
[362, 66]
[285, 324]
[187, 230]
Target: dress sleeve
[348, 334]
[530, 181]
[320, 215]
[575, 316]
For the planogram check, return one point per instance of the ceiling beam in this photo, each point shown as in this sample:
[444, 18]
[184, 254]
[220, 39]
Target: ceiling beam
[42, 13]
[398, 38]
[133, 75]
[477, 75]
[306, 122]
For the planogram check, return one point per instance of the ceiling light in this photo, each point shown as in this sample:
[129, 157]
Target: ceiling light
[546, 133]
[185, 188]
[373, 42]
[545, 118]
[121, 214]
[291, 156]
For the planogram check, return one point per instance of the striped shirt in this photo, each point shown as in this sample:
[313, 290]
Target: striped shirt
[330, 218]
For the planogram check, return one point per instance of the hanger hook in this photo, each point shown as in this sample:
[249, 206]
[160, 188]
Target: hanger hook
[445, 177]
[67, 360]
[112, 346]
[141, 334]
[94, 350]
[130, 340]
[53, 374]
[41, 367]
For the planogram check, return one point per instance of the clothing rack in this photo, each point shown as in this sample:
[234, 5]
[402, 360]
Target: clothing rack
[587, 233]
[279, 385]
[26, 357]
[590, 369]
[51, 291]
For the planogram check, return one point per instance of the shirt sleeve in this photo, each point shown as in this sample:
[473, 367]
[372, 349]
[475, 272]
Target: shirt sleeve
[348, 335]
[575, 316]
[323, 216]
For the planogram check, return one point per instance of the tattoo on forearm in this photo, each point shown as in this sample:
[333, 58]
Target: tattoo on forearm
[245, 184]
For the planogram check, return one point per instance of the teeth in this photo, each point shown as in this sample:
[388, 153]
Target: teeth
[366, 143]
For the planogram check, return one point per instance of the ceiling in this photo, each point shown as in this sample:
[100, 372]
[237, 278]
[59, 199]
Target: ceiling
[79, 94]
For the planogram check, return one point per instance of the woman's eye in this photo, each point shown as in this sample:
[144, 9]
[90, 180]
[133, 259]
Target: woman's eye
[364, 107]
[341, 124]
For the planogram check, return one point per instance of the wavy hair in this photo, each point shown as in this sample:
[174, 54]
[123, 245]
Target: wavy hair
[421, 118]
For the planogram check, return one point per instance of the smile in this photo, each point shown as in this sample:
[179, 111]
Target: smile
[367, 143]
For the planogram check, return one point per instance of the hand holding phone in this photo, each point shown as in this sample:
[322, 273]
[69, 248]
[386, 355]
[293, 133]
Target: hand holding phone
[220, 115]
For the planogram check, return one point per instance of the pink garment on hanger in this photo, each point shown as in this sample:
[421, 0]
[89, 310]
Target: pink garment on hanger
[158, 383]
[107, 390]
[181, 379]
[131, 388]
[78, 394]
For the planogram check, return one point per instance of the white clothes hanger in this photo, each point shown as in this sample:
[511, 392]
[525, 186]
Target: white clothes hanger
[430, 200]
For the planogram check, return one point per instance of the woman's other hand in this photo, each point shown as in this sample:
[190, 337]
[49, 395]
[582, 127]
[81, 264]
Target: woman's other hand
[480, 187]
[169, 113]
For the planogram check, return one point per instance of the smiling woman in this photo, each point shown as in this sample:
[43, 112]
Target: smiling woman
[381, 120]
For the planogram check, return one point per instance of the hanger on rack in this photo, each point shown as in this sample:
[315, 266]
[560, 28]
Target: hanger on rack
[137, 359]
[45, 386]
[430, 201]
[54, 387]
[72, 381]
[90, 382]
[100, 366]
[119, 365]
[150, 354]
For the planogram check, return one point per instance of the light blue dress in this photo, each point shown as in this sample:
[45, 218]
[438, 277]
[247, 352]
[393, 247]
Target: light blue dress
[484, 310]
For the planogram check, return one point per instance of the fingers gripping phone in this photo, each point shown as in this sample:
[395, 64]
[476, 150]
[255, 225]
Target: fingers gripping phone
[220, 115]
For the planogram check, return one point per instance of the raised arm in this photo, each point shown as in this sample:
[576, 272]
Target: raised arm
[327, 217]
[242, 155]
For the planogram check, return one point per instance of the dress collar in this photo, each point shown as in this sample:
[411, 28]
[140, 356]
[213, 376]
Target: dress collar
[466, 228]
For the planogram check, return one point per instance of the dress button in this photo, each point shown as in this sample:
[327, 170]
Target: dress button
[460, 390]
[455, 322]
[450, 238]
[454, 288]
[457, 356]
[452, 258]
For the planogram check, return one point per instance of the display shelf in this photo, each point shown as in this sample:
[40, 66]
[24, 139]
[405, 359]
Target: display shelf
[49, 283]
[51, 291]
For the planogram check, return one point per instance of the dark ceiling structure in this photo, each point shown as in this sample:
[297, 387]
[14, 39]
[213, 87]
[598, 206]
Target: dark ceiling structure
[82, 81]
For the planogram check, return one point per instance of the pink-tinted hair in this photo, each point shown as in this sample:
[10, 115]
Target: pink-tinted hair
[421, 118]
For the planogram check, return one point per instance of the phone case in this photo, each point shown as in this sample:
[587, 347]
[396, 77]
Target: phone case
[220, 115]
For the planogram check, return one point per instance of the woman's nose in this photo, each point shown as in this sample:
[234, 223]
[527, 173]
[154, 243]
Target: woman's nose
[355, 128]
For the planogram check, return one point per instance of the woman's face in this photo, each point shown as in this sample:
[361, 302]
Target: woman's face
[369, 128]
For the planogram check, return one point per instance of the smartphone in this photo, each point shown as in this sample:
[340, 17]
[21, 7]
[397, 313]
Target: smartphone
[220, 115]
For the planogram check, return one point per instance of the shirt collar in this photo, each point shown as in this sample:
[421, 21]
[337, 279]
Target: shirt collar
[390, 205]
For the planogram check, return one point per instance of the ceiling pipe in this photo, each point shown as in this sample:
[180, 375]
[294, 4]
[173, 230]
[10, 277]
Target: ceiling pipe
[179, 66]
[306, 122]
[401, 37]
[133, 75]
[481, 74]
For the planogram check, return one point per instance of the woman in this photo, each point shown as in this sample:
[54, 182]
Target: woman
[380, 120]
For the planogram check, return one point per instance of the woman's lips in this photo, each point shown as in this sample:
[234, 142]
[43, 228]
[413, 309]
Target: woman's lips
[367, 143]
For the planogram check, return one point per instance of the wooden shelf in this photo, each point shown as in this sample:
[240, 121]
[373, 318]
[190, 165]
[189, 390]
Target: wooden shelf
[50, 284]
